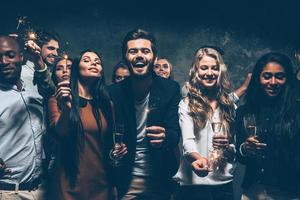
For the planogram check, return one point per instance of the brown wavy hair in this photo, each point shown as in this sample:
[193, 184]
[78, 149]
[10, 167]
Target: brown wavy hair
[198, 102]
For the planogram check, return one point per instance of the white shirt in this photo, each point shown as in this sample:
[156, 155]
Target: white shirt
[142, 164]
[201, 143]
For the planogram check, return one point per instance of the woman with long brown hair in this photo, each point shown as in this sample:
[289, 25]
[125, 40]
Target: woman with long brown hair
[80, 115]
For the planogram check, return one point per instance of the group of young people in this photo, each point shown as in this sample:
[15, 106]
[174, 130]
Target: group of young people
[171, 147]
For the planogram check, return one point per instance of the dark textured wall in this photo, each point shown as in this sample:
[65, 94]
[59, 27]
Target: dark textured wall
[244, 29]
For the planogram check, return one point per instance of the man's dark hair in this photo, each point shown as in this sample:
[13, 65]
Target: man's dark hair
[138, 34]
[44, 37]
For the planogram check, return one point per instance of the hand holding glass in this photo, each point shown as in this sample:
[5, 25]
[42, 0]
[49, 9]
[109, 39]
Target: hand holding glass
[118, 142]
[253, 140]
[250, 124]
[216, 154]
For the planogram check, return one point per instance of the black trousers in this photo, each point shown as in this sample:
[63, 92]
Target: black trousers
[204, 192]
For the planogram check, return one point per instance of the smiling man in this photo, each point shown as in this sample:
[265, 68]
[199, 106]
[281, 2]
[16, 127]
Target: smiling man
[42, 55]
[147, 106]
[21, 128]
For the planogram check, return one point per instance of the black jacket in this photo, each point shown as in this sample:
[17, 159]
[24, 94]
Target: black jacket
[163, 103]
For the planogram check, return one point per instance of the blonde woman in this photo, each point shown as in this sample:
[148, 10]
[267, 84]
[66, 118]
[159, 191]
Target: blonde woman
[200, 175]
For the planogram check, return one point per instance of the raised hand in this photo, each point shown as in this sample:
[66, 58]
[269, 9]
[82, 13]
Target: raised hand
[34, 53]
[63, 95]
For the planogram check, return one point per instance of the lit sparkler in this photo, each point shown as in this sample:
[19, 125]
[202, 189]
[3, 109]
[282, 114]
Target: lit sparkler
[65, 56]
[21, 21]
[31, 35]
[215, 156]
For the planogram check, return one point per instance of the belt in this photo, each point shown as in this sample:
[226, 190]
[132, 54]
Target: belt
[32, 185]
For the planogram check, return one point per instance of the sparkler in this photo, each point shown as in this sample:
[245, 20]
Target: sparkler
[21, 21]
[215, 156]
[64, 55]
[147, 110]
[31, 35]
[215, 159]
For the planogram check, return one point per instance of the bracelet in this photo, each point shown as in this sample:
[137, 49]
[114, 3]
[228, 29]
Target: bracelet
[240, 149]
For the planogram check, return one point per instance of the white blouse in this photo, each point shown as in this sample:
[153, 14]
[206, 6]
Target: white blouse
[201, 143]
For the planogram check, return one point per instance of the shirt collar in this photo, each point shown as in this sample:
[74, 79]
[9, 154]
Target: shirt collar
[13, 87]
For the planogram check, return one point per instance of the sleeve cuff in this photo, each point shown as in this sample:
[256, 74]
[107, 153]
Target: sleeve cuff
[42, 70]
[189, 147]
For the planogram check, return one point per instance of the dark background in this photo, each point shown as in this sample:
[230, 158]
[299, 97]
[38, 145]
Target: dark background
[243, 29]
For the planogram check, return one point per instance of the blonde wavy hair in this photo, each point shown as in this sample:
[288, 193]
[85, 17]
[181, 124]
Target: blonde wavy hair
[200, 109]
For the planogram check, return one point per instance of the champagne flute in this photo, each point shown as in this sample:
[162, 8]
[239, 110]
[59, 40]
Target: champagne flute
[216, 127]
[118, 134]
[250, 124]
[216, 154]
[252, 130]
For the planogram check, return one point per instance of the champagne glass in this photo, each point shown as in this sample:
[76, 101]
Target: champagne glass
[252, 130]
[250, 124]
[216, 127]
[118, 134]
[216, 154]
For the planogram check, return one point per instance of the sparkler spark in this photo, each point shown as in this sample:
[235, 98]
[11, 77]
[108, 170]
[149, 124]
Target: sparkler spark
[65, 56]
[215, 156]
[31, 35]
[21, 21]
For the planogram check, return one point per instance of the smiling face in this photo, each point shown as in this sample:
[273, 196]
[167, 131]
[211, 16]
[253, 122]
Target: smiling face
[272, 79]
[140, 57]
[90, 65]
[10, 60]
[63, 70]
[50, 51]
[208, 72]
[162, 68]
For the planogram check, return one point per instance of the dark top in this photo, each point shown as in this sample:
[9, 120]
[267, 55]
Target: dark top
[92, 181]
[279, 164]
[163, 105]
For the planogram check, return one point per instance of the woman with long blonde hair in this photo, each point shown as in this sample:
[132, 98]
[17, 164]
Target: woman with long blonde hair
[206, 168]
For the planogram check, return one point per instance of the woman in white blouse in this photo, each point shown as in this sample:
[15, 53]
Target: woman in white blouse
[206, 168]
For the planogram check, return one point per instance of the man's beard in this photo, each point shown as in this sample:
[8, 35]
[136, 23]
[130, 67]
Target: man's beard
[50, 65]
[141, 76]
